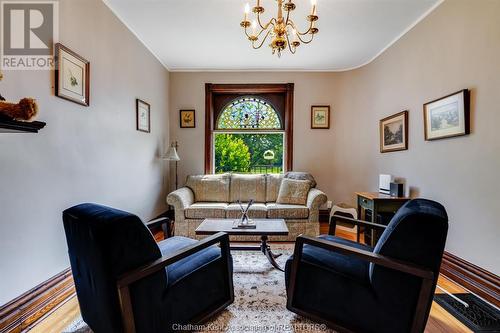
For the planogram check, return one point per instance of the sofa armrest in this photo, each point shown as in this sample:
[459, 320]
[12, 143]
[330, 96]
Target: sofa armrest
[181, 198]
[315, 199]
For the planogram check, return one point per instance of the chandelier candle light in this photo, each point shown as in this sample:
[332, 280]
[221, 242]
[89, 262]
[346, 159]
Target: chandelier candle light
[282, 29]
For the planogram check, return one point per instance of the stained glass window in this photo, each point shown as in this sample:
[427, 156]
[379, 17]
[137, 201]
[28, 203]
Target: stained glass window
[249, 113]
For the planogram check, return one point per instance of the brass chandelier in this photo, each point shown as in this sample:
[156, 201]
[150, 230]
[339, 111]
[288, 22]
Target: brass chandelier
[282, 29]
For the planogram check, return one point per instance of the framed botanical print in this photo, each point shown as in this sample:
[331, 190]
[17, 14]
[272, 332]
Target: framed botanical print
[143, 115]
[448, 116]
[320, 117]
[72, 81]
[187, 118]
[394, 132]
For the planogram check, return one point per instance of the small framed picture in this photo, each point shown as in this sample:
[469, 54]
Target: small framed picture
[72, 81]
[187, 118]
[143, 113]
[320, 117]
[448, 116]
[394, 132]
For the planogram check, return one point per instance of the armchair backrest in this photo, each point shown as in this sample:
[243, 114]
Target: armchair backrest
[417, 235]
[104, 243]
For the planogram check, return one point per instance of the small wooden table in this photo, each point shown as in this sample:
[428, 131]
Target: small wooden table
[377, 203]
[264, 228]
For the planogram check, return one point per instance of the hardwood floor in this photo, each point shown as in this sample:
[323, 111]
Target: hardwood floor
[440, 321]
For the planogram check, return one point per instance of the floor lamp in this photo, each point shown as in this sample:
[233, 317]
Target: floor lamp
[172, 155]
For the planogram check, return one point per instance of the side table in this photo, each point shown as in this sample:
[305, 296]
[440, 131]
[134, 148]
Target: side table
[376, 203]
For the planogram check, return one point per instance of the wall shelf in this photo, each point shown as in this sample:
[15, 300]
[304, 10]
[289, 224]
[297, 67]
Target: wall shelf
[13, 126]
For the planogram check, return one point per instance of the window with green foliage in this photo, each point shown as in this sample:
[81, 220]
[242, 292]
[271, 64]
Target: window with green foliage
[249, 138]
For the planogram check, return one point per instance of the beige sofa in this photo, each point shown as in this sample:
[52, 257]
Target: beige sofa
[216, 196]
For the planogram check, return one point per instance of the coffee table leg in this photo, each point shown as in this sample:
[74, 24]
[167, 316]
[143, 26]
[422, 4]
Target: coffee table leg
[266, 249]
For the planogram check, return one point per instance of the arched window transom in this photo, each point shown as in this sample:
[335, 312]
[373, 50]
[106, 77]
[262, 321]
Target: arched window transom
[249, 113]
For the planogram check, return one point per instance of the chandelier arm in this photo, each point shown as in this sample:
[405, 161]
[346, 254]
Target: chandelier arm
[263, 41]
[260, 22]
[287, 17]
[304, 41]
[289, 44]
[265, 29]
[294, 26]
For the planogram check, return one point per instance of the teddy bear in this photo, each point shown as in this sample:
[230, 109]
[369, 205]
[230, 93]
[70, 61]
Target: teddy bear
[25, 110]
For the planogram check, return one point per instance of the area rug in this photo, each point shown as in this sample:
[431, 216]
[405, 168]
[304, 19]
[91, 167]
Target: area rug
[259, 300]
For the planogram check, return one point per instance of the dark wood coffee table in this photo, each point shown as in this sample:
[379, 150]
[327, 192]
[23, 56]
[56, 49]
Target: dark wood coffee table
[264, 228]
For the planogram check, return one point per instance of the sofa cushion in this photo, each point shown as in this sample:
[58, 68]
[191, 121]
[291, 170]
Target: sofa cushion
[298, 175]
[203, 210]
[293, 191]
[184, 267]
[248, 187]
[256, 211]
[210, 188]
[336, 262]
[284, 211]
[273, 183]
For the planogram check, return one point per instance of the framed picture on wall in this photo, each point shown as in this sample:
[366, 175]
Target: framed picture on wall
[320, 117]
[447, 116]
[187, 118]
[72, 81]
[394, 132]
[143, 116]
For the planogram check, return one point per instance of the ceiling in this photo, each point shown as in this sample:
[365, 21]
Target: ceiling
[198, 35]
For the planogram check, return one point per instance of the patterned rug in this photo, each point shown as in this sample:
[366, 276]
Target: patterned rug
[259, 300]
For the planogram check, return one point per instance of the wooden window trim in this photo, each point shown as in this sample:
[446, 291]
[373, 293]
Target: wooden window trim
[250, 89]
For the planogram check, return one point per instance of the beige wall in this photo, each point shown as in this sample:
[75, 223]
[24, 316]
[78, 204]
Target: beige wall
[187, 91]
[456, 47]
[84, 154]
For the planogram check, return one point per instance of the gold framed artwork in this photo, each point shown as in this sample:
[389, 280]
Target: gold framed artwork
[447, 116]
[187, 118]
[394, 132]
[72, 81]
[320, 117]
[143, 116]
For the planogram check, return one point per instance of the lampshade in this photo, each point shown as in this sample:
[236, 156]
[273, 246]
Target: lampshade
[171, 154]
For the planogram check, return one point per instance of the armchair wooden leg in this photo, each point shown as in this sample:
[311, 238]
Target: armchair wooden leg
[126, 309]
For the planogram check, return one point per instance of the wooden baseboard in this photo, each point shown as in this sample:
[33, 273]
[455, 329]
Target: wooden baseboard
[25, 311]
[478, 280]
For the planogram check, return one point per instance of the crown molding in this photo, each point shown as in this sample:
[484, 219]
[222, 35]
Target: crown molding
[122, 20]
[193, 69]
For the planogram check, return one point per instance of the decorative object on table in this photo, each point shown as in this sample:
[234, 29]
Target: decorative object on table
[447, 116]
[394, 132]
[187, 118]
[72, 76]
[25, 110]
[172, 155]
[143, 116]
[320, 117]
[397, 189]
[283, 30]
[244, 222]
[384, 183]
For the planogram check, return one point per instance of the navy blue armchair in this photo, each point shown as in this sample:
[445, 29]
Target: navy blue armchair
[356, 288]
[126, 282]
